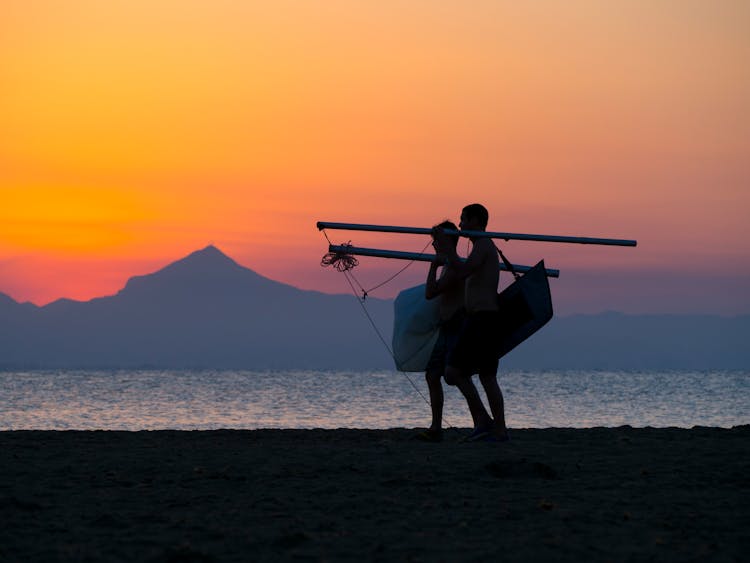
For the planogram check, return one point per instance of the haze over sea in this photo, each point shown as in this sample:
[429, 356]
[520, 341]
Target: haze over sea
[187, 400]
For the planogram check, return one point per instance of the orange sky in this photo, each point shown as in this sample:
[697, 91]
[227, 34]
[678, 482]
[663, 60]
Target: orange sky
[133, 132]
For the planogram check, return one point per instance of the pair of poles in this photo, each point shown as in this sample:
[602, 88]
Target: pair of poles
[347, 249]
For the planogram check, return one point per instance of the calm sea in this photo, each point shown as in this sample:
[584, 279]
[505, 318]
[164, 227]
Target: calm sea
[150, 400]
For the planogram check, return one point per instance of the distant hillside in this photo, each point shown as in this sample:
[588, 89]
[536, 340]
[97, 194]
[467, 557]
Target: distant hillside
[204, 311]
[207, 311]
[618, 341]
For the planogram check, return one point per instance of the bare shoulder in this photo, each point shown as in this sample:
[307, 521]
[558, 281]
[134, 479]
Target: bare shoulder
[483, 246]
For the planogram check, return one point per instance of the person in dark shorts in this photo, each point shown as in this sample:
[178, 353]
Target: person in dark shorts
[475, 349]
[474, 345]
[449, 289]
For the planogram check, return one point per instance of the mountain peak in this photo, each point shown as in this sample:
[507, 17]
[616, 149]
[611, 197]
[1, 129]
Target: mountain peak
[206, 261]
[205, 270]
[210, 252]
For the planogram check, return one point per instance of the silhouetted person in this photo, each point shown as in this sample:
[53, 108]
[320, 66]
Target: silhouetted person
[476, 345]
[449, 289]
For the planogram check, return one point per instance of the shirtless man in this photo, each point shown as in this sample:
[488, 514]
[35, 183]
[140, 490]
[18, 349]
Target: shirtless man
[449, 289]
[475, 348]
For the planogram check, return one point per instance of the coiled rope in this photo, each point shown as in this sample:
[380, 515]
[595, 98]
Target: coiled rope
[341, 261]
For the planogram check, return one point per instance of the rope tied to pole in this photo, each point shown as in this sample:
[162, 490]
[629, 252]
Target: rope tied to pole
[343, 262]
[340, 261]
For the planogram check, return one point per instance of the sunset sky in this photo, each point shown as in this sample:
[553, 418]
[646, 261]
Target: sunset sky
[135, 132]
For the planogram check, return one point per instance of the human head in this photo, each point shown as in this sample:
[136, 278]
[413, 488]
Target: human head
[474, 217]
[450, 226]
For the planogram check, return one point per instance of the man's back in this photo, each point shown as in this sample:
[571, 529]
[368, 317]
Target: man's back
[481, 285]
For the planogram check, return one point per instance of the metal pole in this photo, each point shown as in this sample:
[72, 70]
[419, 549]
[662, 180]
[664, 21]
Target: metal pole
[506, 236]
[398, 255]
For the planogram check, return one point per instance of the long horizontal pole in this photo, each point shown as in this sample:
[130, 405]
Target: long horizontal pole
[506, 236]
[398, 255]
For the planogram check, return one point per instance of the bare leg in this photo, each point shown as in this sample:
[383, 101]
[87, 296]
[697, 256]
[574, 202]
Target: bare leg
[435, 388]
[495, 399]
[453, 376]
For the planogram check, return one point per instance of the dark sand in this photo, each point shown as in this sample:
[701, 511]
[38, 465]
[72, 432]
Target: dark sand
[602, 494]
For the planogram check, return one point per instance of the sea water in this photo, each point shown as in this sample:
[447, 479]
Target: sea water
[186, 400]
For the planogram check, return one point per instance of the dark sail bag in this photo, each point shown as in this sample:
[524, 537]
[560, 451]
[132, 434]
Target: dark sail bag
[525, 306]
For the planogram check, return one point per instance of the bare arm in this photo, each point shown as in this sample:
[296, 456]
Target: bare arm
[436, 286]
[430, 290]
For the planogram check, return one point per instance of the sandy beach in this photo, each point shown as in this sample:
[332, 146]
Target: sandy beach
[600, 494]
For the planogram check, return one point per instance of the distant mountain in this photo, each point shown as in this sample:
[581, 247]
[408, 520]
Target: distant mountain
[204, 311]
[207, 311]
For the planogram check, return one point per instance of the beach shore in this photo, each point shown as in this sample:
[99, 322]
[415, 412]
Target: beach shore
[600, 494]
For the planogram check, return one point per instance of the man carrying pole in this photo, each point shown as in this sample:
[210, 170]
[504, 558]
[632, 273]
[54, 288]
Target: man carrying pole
[475, 348]
[480, 341]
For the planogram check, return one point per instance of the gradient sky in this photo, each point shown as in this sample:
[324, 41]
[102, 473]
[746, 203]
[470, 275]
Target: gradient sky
[134, 132]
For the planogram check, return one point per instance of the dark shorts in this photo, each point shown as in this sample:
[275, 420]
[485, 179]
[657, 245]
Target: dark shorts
[476, 347]
[447, 337]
